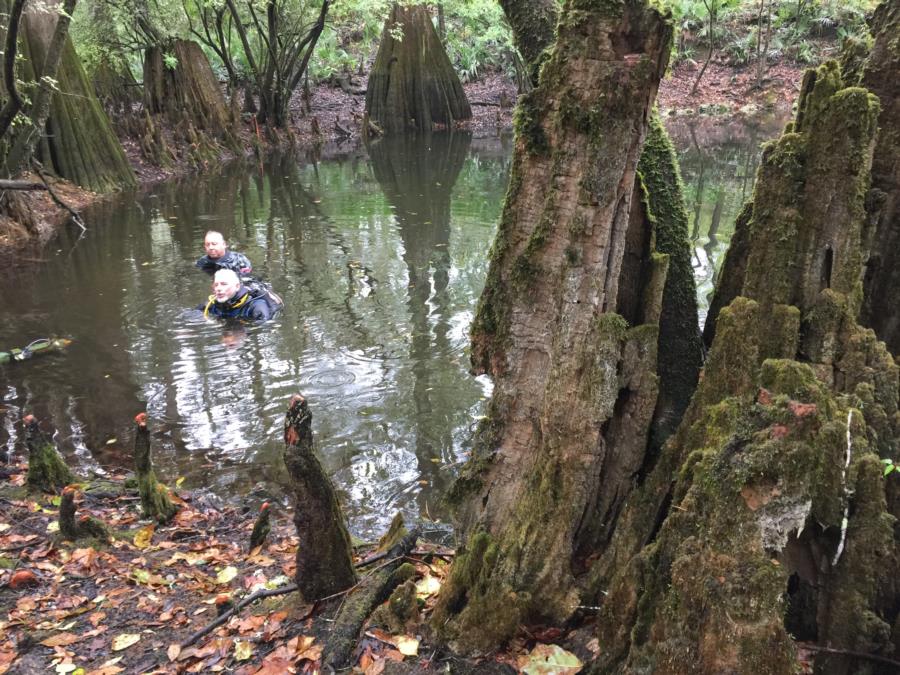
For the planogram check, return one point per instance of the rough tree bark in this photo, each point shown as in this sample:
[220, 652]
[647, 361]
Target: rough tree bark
[324, 562]
[47, 471]
[13, 102]
[882, 281]
[534, 28]
[155, 501]
[79, 143]
[575, 387]
[767, 516]
[189, 91]
[412, 85]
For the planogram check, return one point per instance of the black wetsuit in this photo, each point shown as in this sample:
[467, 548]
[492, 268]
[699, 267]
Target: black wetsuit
[237, 262]
[250, 304]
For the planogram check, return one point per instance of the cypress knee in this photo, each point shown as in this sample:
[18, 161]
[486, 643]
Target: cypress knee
[155, 501]
[261, 527]
[67, 526]
[324, 565]
[46, 469]
[85, 527]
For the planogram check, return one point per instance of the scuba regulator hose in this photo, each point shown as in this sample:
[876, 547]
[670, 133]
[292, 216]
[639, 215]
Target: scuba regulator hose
[39, 346]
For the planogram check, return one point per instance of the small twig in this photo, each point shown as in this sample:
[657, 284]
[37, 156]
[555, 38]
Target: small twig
[858, 655]
[264, 593]
[76, 217]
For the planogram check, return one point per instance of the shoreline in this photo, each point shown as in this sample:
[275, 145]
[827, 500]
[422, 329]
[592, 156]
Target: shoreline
[723, 95]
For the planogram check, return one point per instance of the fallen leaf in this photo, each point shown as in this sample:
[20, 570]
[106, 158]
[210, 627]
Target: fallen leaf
[549, 660]
[407, 645]
[427, 586]
[226, 574]
[173, 651]
[60, 640]
[21, 579]
[124, 641]
[144, 535]
[243, 650]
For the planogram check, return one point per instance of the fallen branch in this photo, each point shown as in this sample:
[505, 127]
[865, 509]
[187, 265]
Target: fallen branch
[21, 185]
[259, 595]
[372, 591]
[857, 655]
[486, 103]
[76, 217]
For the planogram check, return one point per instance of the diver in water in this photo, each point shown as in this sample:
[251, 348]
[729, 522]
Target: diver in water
[232, 299]
[218, 257]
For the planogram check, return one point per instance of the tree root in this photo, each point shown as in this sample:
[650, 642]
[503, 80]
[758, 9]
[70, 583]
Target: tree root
[364, 598]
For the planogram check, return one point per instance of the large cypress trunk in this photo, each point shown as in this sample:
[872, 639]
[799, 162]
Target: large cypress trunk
[882, 282]
[767, 516]
[412, 85]
[80, 144]
[185, 91]
[575, 386]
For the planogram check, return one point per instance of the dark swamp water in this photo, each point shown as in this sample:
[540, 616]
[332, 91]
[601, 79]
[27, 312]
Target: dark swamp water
[380, 258]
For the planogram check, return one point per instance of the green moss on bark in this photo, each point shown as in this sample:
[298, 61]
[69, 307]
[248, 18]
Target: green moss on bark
[47, 471]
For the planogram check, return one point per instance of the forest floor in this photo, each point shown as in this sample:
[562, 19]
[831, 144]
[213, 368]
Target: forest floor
[133, 604]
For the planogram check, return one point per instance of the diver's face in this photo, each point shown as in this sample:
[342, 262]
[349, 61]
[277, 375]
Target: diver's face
[224, 288]
[215, 246]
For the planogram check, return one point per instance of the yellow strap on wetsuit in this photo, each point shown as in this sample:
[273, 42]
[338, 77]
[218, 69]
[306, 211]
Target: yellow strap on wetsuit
[236, 305]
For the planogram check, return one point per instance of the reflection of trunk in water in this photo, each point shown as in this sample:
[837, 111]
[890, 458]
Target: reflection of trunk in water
[698, 195]
[292, 203]
[713, 240]
[417, 174]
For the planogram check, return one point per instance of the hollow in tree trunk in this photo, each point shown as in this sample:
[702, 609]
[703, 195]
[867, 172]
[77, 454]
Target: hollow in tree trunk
[412, 85]
[571, 349]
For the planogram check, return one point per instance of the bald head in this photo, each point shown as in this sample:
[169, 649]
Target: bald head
[225, 284]
[214, 244]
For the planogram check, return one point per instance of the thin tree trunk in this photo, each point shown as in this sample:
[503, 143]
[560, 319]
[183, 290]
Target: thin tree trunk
[711, 12]
[23, 148]
[14, 103]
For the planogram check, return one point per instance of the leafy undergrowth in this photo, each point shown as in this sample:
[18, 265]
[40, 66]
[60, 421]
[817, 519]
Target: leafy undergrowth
[133, 605]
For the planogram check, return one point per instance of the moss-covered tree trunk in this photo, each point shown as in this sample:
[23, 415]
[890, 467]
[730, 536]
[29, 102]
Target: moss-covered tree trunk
[79, 143]
[767, 515]
[324, 562]
[47, 471]
[412, 85]
[882, 281]
[575, 386]
[155, 501]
